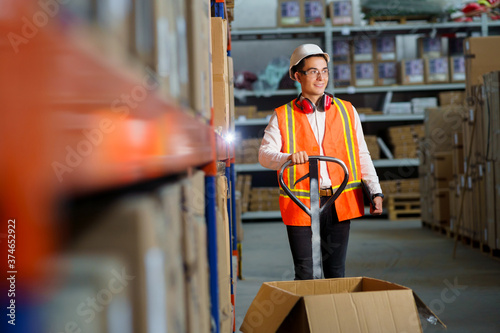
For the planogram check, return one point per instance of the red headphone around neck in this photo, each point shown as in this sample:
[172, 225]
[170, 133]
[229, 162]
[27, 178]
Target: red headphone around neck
[306, 106]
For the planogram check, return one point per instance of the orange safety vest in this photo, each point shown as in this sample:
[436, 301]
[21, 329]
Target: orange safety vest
[340, 141]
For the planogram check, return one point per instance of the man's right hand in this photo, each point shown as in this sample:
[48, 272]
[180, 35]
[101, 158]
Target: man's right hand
[299, 157]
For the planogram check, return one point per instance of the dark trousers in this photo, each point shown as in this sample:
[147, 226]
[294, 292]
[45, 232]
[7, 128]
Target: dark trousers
[334, 239]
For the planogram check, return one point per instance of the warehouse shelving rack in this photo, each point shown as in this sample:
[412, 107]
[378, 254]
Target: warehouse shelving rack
[328, 32]
[46, 160]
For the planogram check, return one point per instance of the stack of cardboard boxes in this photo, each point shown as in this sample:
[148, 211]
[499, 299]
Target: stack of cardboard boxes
[398, 186]
[373, 147]
[152, 247]
[365, 62]
[244, 187]
[404, 140]
[220, 75]
[264, 199]
[247, 151]
[435, 152]
[460, 152]
[226, 310]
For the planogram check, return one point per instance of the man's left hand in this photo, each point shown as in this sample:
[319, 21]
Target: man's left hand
[377, 210]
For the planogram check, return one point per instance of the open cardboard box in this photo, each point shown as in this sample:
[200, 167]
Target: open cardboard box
[358, 304]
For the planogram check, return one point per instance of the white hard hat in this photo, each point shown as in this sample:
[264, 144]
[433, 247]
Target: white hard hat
[303, 51]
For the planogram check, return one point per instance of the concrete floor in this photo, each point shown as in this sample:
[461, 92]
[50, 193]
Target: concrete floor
[402, 252]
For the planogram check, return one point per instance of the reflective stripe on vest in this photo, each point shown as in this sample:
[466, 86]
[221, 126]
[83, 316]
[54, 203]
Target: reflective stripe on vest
[297, 134]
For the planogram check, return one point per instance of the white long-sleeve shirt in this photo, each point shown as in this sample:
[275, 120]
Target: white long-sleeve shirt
[271, 157]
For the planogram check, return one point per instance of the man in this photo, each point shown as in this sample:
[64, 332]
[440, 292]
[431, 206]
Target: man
[316, 123]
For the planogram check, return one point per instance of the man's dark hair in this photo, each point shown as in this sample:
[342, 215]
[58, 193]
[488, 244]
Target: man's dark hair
[300, 66]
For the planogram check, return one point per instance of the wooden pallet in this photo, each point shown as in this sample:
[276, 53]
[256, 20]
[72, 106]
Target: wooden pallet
[404, 206]
[402, 19]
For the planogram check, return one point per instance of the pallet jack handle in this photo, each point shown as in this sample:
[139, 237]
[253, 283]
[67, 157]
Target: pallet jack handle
[313, 167]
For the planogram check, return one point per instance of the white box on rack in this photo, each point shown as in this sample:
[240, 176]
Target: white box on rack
[420, 104]
[399, 108]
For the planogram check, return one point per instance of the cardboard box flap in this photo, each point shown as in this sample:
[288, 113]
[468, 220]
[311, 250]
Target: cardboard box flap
[378, 311]
[319, 287]
[268, 310]
[425, 312]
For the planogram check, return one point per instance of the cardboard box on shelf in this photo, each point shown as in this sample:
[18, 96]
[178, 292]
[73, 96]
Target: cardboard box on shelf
[429, 47]
[341, 52]
[458, 160]
[219, 46]
[290, 13]
[363, 49]
[373, 147]
[364, 74]
[248, 111]
[221, 114]
[451, 98]
[491, 117]
[457, 69]
[341, 12]
[314, 12]
[442, 164]
[440, 126]
[436, 70]
[232, 112]
[133, 231]
[195, 253]
[412, 71]
[199, 55]
[385, 48]
[496, 166]
[490, 202]
[441, 206]
[171, 198]
[342, 75]
[387, 73]
[479, 60]
[166, 57]
[223, 255]
[339, 305]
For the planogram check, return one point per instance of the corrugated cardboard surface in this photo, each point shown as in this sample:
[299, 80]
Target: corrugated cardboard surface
[490, 204]
[223, 256]
[230, 82]
[221, 102]
[198, 30]
[334, 305]
[480, 59]
[219, 45]
[129, 231]
[497, 204]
